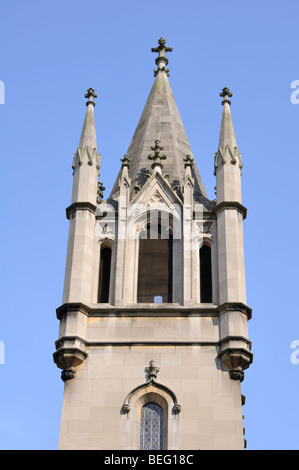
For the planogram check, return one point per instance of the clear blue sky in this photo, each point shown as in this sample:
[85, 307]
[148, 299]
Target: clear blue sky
[51, 52]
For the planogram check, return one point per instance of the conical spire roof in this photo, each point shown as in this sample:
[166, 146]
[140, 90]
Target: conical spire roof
[88, 134]
[227, 134]
[160, 120]
[227, 147]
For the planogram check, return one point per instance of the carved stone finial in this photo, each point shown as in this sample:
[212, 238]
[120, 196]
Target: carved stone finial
[90, 95]
[125, 161]
[152, 370]
[176, 408]
[67, 374]
[100, 190]
[157, 157]
[236, 375]
[225, 94]
[188, 161]
[125, 408]
[161, 60]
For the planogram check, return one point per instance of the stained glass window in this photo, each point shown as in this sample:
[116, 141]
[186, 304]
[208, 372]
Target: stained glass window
[151, 427]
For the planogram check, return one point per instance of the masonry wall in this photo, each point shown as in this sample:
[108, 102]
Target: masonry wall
[211, 410]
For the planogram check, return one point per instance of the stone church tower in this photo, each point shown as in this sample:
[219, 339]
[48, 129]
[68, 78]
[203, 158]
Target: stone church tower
[153, 337]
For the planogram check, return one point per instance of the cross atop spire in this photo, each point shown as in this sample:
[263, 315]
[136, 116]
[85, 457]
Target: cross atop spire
[225, 95]
[90, 95]
[161, 60]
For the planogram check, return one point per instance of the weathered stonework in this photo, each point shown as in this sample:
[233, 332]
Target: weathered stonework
[186, 355]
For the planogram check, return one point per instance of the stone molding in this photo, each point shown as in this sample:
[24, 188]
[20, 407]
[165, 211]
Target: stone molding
[88, 156]
[231, 205]
[126, 405]
[80, 206]
[151, 310]
[228, 153]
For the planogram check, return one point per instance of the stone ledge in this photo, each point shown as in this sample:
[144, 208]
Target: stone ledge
[231, 205]
[143, 310]
[80, 206]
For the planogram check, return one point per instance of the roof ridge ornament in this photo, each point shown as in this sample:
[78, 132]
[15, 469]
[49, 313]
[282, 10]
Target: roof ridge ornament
[90, 95]
[225, 95]
[161, 60]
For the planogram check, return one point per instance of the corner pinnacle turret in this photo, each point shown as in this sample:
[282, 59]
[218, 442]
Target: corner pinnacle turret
[86, 161]
[227, 160]
[227, 134]
[88, 134]
[227, 146]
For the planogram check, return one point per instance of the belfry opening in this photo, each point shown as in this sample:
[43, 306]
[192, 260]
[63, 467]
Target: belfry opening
[155, 263]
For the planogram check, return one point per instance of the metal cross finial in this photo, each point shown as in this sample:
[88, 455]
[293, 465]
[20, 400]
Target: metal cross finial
[161, 60]
[225, 95]
[157, 157]
[90, 95]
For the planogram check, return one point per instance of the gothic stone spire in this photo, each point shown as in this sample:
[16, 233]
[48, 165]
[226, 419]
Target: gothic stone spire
[161, 120]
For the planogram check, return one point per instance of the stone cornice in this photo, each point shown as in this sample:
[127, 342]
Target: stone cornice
[231, 205]
[236, 306]
[61, 339]
[145, 310]
[235, 338]
[85, 343]
[80, 206]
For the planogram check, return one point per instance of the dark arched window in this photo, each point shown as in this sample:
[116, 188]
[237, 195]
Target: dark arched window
[104, 275]
[205, 274]
[155, 265]
[151, 429]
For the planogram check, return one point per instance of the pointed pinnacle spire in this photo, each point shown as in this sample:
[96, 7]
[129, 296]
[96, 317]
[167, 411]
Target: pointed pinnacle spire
[88, 134]
[161, 60]
[227, 134]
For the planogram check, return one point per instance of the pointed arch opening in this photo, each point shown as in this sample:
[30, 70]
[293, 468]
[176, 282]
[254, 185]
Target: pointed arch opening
[104, 274]
[151, 427]
[155, 263]
[167, 410]
[205, 261]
